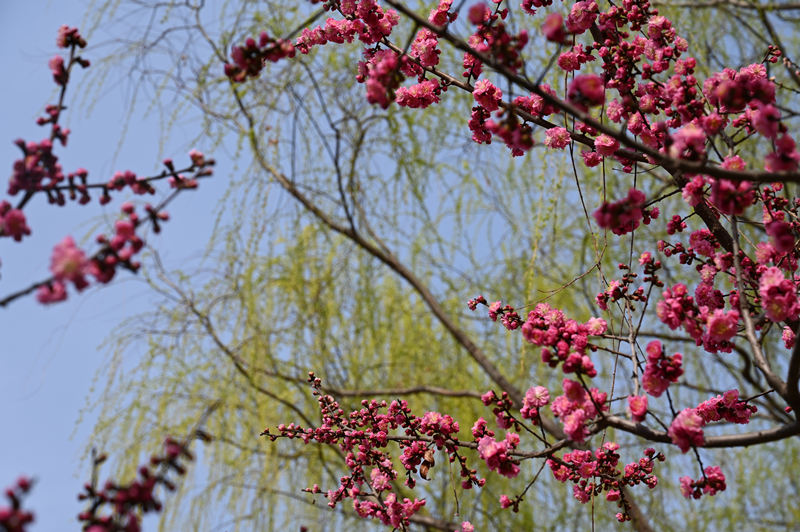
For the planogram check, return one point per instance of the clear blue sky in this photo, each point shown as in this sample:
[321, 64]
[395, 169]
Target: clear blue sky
[49, 355]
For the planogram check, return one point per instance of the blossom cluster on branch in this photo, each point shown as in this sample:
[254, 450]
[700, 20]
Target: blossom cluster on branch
[38, 172]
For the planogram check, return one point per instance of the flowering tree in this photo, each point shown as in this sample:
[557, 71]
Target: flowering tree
[683, 212]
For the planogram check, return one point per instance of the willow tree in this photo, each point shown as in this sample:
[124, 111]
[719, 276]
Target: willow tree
[351, 237]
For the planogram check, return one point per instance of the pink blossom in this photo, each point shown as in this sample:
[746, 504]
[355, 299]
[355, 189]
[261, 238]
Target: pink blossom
[606, 145]
[686, 430]
[731, 197]
[778, 297]
[495, 453]
[591, 158]
[586, 90]
[782, 236]
[439, 15]
[487, 95]
[477, 124]
[51, 292]
[693, 191]
[535, 397]
[505, 501]
[689, 142]
[69, 263]
[784, 158]
[660, 371]
[553, 28]
[568, 61]
[712, 482]
[466, 526]
[13, 222]
[637, 404]
[622, 216]
[597, 326]
[615, 111]
[60, 75]
[788, 337]
[557, 138]
[721, 326]
[765, 119]
[582, 16]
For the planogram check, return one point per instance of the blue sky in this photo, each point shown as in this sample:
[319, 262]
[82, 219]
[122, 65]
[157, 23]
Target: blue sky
[50, 355]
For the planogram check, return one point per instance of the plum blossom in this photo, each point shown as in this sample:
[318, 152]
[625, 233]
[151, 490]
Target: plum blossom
[686, 429]
[713, 481]
[586, 90]
[778, 296]
[637, 404]
[721, 326]
[782, 236]
[606, 145]
[495, 453]
[660, 371]
[557, 138]
[535, 397]
[728, 407]
[553, 28]
[69, 263]
[13, 222]
[487, 95]
[623, 216]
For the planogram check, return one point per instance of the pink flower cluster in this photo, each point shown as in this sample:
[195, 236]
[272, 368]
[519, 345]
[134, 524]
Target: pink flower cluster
[248, 60]
[70, 264]
[496, 454]
[598, 472]
[562, 340]
[380, 73]
[518, 136]
[577, 407]
[535, 398]
[37, 165]
[487, 95]
[425, 48]
[713, 481]
[727, 407]
[68, 37]
[420, 95]
[730, 197]
[660, 371]
[624, 216]
[363, 435]
[390, 511]
[778, 295]
[14, 518]
[708, 324]
[440, 15]
[12, 222]
[686, 430]
[127, 502]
